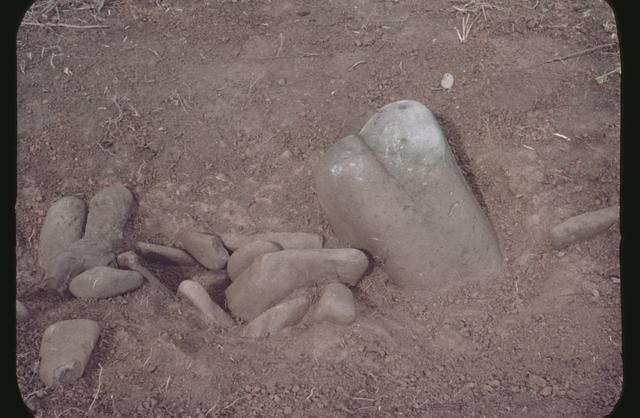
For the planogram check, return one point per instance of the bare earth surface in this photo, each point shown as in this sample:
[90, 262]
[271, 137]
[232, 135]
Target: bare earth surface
[214, 112]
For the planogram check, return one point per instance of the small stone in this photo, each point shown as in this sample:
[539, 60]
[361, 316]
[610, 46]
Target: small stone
[282, 81]
[198, 296]
[62, 226]
[208, 250]
[584, 226]
[546, 391]
[286, 154]
[302, 12]
[595, 293]
[277, 318]
[104, 282]
[615, 279]
[22, 313]
[65, 350]
[242, 258]
[163, 254]
[447, 81]
[536, 382]
[335, 305]
[287, 240]
[273, 276]
[358, 43]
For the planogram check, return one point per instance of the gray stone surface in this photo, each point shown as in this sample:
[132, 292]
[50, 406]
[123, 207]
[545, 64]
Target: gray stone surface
[197, 295]
[242, 258]
[287, 240]
[164, 255]
[396, 191]
[109, 211]
[104, 282]
[62, 226]
[273, 276]
[213, 282]
[207, 249]
[275, 319]
[65, 350]
[22, 313]
[584, 226]
[130, 260]
[335, 305]
[80, 256]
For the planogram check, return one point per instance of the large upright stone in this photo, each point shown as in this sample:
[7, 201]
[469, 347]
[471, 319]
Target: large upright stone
[63, 225]
[396, 190]
[109, 211]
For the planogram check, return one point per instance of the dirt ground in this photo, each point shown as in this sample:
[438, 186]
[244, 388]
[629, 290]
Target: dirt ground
[214, 114]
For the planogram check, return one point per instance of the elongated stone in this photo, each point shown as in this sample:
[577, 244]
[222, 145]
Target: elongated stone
[584, 226]
[165, 255]
[198, 296]
[65, 350]
[104, 282]
[109, 211]
[207, 249]
[273, 276]
[244, 256]
[287, 240]
[63, 225]
[275, 319]
[396, 190]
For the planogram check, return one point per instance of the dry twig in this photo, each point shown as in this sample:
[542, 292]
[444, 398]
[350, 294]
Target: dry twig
[580, 53]
[63, 25]
[97, 391]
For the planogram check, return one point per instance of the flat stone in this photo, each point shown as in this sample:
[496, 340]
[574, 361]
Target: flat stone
[109, 211]
[335, 305]
[275, 319]
[242, 258]
[104, 282]
[287, 240]
[584, 226]
[62, 226]
[80, 256]
[198, 296]
[164, 255]
[207, 249]
[65, 350]
[22, 313]
[273, 276]
[396, 191]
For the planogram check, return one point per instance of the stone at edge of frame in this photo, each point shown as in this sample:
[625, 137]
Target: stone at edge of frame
[396, 191]
[65, 350]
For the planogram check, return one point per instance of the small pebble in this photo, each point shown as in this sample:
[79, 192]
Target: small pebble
[282, 81]
[447, 81]
[546, 391]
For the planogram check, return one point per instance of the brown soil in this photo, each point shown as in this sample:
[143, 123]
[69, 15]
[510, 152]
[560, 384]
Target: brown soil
[192, 105]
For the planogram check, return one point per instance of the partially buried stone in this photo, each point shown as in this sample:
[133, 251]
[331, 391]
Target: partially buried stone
[21, 311]
[335, 305]
[162, 254]
[212, 313]
[273, 276]
[287, 240]
[207, 249]
[65, 350]
[447, 81]
[62, 226]
[242, 258]
[275, 319]
[396, 191]
[584, 226]
[104, 282]
[109, 211]
[213, 282]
